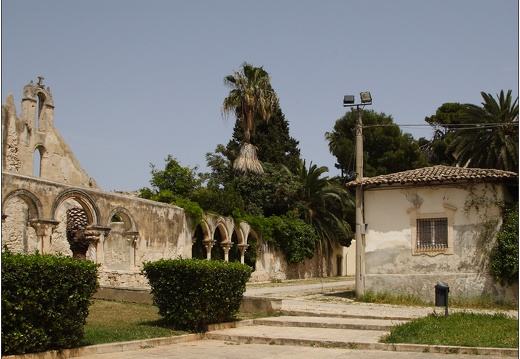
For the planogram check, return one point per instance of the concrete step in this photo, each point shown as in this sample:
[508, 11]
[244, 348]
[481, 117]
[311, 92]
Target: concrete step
[306, 336]
[329, 322]
[330, 332]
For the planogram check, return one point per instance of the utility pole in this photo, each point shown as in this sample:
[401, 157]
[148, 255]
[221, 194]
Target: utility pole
[348, 101]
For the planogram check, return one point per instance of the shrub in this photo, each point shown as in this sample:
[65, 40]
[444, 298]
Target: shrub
[290, 234]
[45, 301]
[191, 293]
[504, 256]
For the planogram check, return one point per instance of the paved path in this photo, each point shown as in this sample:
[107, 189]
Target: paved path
[322, 324]
[220, 349]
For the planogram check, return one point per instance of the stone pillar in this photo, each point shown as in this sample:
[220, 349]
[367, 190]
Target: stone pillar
[208, 244]
[43, 230]
[96, 238]
[132, 238]
[242, 248]
[93, 238]
[226, 246]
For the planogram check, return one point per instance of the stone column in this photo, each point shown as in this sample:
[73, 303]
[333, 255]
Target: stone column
[43, 230]
[242, 248]
[96, 238]
[208, 244]
[226, 246]
[132, 238]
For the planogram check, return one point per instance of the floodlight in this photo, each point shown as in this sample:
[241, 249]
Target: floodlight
[366, 97]
[348, 100]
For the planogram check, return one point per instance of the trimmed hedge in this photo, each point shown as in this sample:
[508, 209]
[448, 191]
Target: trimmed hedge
[45, 300]
[192, 293]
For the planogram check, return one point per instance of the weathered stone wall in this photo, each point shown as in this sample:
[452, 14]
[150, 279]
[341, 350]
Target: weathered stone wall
[33, 134]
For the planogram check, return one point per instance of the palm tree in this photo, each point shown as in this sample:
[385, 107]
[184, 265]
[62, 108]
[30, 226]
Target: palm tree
[252, 100]
[323, 202]
[488, 137]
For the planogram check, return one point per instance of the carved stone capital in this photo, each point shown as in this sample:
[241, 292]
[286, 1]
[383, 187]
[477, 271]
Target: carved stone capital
[43, 227]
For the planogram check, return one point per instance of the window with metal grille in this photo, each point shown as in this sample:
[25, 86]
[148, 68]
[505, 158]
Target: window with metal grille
[432, 233]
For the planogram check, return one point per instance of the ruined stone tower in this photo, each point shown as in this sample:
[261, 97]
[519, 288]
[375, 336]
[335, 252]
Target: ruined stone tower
[32, 145]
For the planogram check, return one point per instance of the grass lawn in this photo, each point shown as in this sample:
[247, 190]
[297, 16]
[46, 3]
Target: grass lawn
[110, 322]
[459, 329]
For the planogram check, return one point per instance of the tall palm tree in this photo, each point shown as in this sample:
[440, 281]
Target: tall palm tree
[488, 137]
[252, 100]
[324, 204]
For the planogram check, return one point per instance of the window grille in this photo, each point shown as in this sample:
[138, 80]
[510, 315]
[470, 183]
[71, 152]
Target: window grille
[432, 233]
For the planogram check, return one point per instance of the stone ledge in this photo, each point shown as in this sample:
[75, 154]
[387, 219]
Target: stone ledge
[249, 304]
[109, 348]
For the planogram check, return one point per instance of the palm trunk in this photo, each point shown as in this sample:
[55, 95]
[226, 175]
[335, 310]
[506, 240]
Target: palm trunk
[247, 160]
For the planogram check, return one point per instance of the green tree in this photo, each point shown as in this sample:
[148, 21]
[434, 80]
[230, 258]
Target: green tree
[444, 123]
[266, 195]
[324, 203]
[386, 148]
[175, 185]
[252, 100]
[488, 137]
[275, 144]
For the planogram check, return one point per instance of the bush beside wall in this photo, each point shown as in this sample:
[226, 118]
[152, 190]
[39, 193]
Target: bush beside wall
[45, 300]
[192, 293]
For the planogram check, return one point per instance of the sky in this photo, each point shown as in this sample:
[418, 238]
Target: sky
[136, 81]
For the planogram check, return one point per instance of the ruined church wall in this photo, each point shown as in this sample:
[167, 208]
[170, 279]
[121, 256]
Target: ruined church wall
[150, 230]
[31, 134]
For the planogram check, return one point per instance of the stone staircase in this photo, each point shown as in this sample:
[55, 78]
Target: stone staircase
[322, 331]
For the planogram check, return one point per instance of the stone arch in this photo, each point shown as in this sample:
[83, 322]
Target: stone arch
[128, 219]
[34, 204]
[120, 247]
[221, 240]
[84, 199]
[239, 235]
[77, 232]
[221, 225]
[200, 241]
[40, 102]
[38, 155]
[22, 222]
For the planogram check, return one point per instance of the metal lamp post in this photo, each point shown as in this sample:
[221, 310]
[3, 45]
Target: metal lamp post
[348, 101]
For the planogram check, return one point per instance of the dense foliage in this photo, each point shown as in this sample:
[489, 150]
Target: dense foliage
[504, 256]
[290, 234]
[444, 124]
[386, 149]
[489, 137]
[45, 301]
[470, 135]
[191, 293]
[175, 185]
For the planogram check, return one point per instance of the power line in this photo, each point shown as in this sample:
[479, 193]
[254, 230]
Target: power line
[466, 126]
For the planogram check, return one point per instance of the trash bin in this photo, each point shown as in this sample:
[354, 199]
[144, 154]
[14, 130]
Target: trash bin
[441, 294]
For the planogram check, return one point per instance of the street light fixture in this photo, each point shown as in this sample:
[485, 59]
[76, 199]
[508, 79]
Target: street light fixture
[348, 101]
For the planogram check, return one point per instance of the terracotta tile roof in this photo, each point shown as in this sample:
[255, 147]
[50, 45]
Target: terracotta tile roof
[438, 174]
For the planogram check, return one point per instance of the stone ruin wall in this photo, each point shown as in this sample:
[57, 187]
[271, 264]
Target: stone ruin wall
[36, 208]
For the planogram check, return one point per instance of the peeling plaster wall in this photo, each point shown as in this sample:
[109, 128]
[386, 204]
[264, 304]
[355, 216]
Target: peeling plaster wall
[390, 262]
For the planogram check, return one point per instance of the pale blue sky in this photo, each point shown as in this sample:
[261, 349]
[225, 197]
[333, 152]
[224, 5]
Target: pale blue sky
[134, 81]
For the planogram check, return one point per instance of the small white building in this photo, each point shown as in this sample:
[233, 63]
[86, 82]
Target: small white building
[434, 224]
